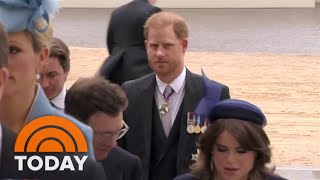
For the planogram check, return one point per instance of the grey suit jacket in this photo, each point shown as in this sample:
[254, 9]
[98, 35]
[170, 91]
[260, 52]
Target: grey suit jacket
[139, 117]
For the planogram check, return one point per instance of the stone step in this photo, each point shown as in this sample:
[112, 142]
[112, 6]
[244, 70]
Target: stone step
[299, 173]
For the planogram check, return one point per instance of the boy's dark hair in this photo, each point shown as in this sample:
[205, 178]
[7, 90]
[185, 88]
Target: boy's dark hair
[91, 95]
[60, 50]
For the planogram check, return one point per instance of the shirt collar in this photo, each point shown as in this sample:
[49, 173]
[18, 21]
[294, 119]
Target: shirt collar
[175, 84]
[59, 100]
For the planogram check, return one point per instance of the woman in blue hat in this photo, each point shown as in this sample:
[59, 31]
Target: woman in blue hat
[234, 146]
[30, 28]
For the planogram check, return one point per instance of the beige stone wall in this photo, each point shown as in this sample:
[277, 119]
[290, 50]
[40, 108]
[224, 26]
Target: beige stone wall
[195, 3]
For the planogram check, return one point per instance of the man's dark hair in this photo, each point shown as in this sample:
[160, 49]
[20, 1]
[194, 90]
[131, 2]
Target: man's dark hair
[91, 95]
[60, 50]
[4, 49]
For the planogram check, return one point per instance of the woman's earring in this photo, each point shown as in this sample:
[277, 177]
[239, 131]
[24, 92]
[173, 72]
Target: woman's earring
[37, 76]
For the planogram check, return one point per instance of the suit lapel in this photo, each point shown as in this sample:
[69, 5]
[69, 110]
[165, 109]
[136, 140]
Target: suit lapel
[173, 135]
[147, 92]
[40, 107]
[8, 165]
[157, 124]
[193, 92]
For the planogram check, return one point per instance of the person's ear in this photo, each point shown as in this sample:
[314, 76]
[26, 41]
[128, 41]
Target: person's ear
[146, 43]
[66, 75]
[184, 45]
[44, 54]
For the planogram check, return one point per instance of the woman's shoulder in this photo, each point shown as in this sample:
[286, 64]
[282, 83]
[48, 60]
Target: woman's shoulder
[187, 176]
[273, 177]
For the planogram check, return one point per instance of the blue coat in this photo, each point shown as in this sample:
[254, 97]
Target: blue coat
[42, 107]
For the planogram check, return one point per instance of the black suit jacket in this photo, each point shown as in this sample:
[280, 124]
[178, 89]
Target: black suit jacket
[122, 165]
[125, 41]
[139, 117]
[8, 166]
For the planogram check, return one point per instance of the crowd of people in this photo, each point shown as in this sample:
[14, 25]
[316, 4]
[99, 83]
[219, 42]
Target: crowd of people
[144, 115]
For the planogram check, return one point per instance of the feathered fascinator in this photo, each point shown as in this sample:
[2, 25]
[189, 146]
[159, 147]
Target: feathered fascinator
[211, 97]
[31, 15]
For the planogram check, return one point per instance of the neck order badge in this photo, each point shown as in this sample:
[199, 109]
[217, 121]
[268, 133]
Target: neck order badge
[168, 92]
[43, 138]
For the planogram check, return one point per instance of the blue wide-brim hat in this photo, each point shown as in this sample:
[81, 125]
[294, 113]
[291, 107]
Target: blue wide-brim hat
[237, 109]
[20, 15]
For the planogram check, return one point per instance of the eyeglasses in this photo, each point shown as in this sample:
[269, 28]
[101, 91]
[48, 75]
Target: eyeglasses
[116, 135]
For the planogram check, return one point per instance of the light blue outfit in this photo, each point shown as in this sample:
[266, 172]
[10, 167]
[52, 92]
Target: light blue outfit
[24, 15]
[42, 107]
[20, 15]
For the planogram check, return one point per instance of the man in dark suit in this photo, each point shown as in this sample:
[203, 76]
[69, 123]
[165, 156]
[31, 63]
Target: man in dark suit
[8, 166]
[99, 103]
[160, 133]
[7, 138]
[125, 41]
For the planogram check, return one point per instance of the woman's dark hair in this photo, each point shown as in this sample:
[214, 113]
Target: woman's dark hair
[250, 136]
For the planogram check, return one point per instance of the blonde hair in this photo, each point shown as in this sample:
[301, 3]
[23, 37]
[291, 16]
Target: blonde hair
[164, 19]
[41, 39]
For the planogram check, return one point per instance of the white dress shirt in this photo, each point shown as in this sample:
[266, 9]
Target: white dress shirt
[176, 98]
[58, 101]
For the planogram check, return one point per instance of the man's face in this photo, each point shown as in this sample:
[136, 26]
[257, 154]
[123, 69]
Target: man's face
[165, 51]
[105, 132]
[52, 76]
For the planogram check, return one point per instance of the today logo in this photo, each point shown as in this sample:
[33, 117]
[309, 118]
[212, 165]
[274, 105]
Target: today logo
[50, 142]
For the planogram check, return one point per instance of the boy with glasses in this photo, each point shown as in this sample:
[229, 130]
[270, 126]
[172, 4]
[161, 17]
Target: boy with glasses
[100, 104]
